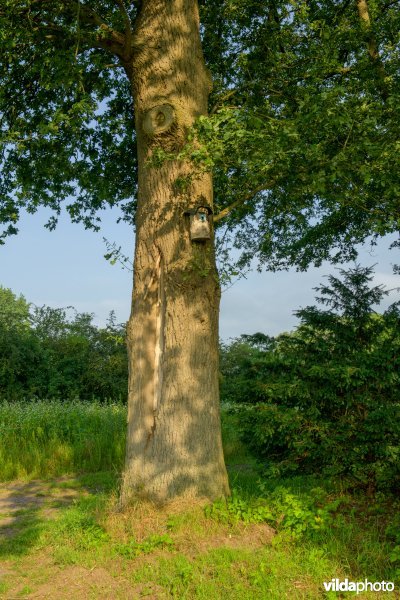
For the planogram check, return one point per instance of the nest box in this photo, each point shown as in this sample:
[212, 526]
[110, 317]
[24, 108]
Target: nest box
[200, 226]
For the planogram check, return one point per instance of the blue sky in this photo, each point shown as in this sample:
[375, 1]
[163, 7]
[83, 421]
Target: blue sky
[66, 267]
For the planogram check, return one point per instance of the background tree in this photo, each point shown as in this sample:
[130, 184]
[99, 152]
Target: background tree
[98, 103]
[59, 353]
[18, 350]
[240, 362]
[78, 359]
[325, 397]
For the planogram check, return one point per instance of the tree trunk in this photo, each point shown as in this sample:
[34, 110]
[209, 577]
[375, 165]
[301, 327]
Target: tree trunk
[174, 444]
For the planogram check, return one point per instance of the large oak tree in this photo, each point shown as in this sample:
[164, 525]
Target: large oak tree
[292, 107]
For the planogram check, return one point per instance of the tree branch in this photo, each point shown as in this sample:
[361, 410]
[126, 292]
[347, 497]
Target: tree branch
[225, 212]
[109, 38]
[221, 100]
[128, 27]
[106, 37]
[363, 13]
[372, 46]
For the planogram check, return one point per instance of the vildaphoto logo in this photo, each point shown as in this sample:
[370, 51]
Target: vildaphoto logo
[358, 586]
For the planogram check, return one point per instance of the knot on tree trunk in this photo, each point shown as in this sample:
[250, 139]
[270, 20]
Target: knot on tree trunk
[159, 119]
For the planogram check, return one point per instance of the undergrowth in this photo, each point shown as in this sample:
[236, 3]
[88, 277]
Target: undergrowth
[314, 529]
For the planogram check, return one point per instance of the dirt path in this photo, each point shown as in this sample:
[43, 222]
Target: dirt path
[20, 499]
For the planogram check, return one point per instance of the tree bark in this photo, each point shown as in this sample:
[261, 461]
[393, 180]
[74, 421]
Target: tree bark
[174, 444]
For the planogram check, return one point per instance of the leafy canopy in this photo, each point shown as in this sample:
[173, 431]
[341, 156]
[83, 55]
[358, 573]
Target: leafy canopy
[65, 111]
[302, 136]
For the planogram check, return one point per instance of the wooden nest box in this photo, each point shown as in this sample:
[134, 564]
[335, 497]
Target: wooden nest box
[200, 226]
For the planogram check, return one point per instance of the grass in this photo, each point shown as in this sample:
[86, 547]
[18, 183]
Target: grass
[43, 439]
[273, 539]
